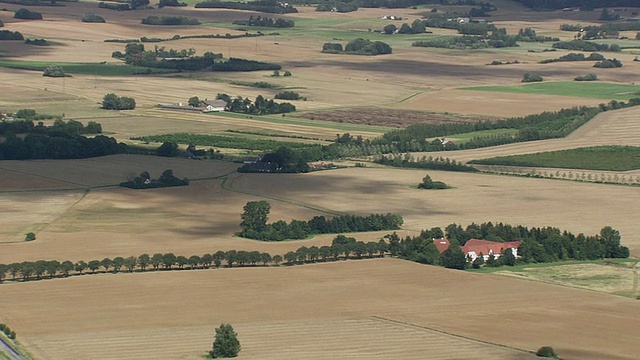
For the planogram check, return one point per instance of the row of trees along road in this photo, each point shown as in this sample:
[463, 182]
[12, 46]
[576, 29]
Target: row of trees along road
[538, 245]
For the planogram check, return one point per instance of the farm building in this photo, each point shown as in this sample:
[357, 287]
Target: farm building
[214, 105]
[474, 247]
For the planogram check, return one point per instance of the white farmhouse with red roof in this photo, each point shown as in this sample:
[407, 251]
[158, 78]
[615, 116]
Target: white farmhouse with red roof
[474, 247]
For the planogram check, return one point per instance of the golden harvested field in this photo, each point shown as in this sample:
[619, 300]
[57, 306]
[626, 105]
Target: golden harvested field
[370, 309]
[366, 309]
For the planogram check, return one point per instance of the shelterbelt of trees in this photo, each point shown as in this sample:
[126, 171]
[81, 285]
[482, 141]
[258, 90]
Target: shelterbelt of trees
[539, 245]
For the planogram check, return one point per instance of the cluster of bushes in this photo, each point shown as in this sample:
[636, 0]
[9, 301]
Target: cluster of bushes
[539, 245]
[38, 42]
[112, 101]
[135, 54]
[454, 42]
[583, 45]
[6, 329]
[92, 18]
[144, 181]
[254, 224]
[289, 95]
[169, 20]
[172, 3]
[438, 163]
[608, 64]
[266, 22]
[27, 14]
[417, 27]
[588, 77]
[429, 184]
[237, 64]
[283, 160]
[358, 46]
[531, 77]
[53, 71]
[574, 57]
[499, 62]
[10, 35]
[260, 106]
[266, 6]
[58, 146]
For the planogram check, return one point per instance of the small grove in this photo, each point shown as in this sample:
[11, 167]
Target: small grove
[254, 224]
[539, 245]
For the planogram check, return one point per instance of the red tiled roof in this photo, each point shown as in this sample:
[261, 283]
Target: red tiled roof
[486, 247]
[441, 244]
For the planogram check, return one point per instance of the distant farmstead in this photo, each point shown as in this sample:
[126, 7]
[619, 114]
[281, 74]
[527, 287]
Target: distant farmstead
[214, 105]
[474, 248]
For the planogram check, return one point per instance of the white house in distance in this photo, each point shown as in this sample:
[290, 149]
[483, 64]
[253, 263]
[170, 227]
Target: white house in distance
[214, 105]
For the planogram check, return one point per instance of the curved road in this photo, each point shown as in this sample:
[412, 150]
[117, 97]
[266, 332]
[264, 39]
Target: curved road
[9, 351]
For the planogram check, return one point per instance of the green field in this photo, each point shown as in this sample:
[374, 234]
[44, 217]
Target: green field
[596, 90]
[525, 267]
[465, 137]
[607, 158]
[102, 69]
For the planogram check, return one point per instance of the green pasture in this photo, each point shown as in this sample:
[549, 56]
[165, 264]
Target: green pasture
[606, 158]
[465, 137]
[524, 267]
[102, 69]
[595, 90]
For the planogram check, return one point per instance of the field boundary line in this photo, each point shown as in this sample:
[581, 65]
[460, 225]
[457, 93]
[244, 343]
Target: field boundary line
[397, 322]
[40, 176]
[227, 184]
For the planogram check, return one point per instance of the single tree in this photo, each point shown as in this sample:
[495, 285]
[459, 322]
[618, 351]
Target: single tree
[225, 344]
[194, 101]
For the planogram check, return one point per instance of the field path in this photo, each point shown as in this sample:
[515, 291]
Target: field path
[619, 127]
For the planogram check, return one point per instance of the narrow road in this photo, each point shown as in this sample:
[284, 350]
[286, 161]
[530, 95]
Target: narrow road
[8, 349]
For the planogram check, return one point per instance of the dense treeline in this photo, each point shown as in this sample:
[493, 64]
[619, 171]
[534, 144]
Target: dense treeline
[10, 35]
[266, 6]
[342, 248]
[159, 57]
[169, 20]
[337, 6]
[582, 4]
[62, 140]
[260, 106]
[266, 22]
[27, 14]
[237, 64]
[430, 163]
[283, 160]
[171, 3]
[574, 57]
[254, 224]
[358, 46]
[539, 245]
[112, 101]
[144, 181]
[480, 36]
[584, 45]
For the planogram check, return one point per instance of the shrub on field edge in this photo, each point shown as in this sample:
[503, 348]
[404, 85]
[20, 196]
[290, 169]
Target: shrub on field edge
[547, 352]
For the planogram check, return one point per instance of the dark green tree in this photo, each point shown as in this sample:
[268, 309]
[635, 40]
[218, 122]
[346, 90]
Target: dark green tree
[453, 257]
[168, 149]
[254, 218]
[225, 344]
[194, 101]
